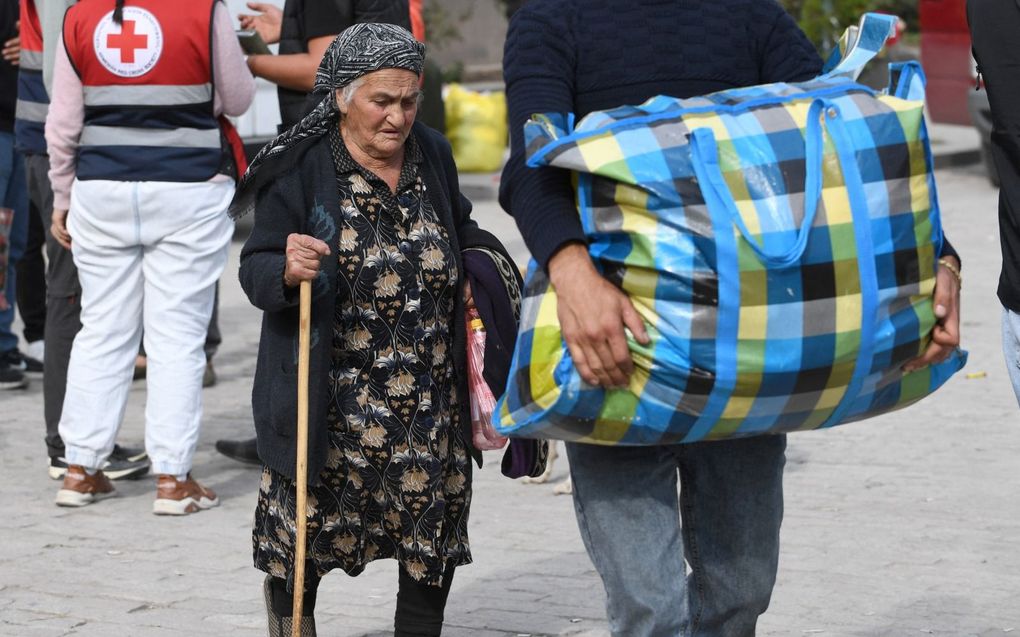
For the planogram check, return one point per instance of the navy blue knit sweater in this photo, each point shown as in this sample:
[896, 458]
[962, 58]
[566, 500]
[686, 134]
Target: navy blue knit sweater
[585, 55]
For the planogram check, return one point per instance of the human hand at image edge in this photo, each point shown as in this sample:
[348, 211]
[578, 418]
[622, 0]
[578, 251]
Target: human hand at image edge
[58, 228]
[593, 313]
[945, 335]
[266, 24]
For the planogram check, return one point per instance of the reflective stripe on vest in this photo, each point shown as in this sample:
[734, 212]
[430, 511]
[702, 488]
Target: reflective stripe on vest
[150, 137]
[147, 90]
[31, 111]
[149, 94]
[33, 101]
[31, 60]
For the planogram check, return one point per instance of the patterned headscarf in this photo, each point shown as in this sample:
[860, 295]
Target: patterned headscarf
[359, 50]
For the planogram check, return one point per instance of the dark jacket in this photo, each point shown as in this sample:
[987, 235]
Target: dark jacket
[305, 200]
[579, 56]
[994, 26]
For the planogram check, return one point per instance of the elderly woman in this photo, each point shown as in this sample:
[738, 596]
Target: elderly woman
[364, 203]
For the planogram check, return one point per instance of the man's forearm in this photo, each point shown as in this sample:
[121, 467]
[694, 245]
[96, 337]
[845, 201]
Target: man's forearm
[295, 71]
[567, 261]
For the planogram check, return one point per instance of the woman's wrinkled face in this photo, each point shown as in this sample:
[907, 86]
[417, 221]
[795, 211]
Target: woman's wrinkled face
[380, 113]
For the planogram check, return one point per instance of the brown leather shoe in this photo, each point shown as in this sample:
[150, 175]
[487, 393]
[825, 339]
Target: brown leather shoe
[80, 488]
[181, 497]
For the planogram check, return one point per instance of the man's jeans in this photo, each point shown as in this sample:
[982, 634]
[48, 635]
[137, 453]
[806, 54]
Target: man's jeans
[731, 505]
[13, 195]
[1011, 348]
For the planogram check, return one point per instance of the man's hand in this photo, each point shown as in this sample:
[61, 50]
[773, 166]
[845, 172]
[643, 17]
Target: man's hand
[592, 314]
[303, 256]
[469, 299]
[58, 228]
[945, 336]
[12, 48]
[266, 24]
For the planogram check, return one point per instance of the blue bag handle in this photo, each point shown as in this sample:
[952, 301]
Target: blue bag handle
[842, 141]
[859, 45]
[705, 153]
[907, 80]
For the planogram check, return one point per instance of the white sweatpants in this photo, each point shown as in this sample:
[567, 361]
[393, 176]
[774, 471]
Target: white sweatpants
[147, 252]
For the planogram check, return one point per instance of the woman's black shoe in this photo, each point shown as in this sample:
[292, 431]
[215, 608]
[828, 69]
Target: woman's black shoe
[240, 450]
[279, 625]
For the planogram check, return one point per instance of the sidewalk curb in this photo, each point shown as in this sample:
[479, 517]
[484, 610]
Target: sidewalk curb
[957, 159]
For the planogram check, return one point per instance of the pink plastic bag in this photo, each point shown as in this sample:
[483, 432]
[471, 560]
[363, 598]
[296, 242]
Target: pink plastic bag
[483, 435]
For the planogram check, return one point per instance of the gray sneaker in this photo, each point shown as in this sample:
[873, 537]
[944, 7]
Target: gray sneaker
[124, 463]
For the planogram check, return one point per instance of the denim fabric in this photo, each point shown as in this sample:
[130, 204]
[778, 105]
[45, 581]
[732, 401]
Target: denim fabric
[1011, 347]
[14, 192]
[731, 506]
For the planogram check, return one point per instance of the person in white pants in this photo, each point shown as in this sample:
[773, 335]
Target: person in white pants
[147, 253]
[142, 178]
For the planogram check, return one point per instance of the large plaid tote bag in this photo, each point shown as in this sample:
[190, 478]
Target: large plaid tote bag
[780, 243]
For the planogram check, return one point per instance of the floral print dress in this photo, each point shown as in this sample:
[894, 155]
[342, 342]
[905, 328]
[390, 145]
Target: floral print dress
[397, 479]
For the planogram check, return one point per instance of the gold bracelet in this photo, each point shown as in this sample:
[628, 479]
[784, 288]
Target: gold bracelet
[952, 268]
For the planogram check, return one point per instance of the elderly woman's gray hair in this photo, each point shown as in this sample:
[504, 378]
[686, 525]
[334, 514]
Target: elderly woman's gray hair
[359, 50]
[346, 93]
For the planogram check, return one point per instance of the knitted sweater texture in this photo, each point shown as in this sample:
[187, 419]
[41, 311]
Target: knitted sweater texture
[585, 55]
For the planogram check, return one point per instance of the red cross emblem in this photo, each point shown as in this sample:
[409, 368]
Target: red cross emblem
[127, 41]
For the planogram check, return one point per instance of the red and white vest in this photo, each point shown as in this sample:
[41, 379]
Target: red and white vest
[148, 85]
[33, 101]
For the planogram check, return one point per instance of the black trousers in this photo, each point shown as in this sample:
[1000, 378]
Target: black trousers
[420, 607]
[31, 290]
[994, 28]
[63, 322]
[63, 303]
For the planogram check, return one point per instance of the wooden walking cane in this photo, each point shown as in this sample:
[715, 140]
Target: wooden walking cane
[300, 514]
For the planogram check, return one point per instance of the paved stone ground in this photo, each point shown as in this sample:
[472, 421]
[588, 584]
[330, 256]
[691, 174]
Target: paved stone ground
[903, 525]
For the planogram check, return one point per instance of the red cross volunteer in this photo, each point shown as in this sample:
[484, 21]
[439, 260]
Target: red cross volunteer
[142, 174]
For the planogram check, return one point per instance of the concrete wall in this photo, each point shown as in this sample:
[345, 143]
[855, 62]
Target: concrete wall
[482, 34]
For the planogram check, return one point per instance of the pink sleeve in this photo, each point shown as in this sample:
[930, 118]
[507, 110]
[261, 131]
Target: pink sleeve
[63, 127]
[233, 82]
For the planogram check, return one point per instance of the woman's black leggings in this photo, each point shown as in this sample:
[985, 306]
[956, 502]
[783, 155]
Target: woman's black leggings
[420, 606]
[419, 611]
